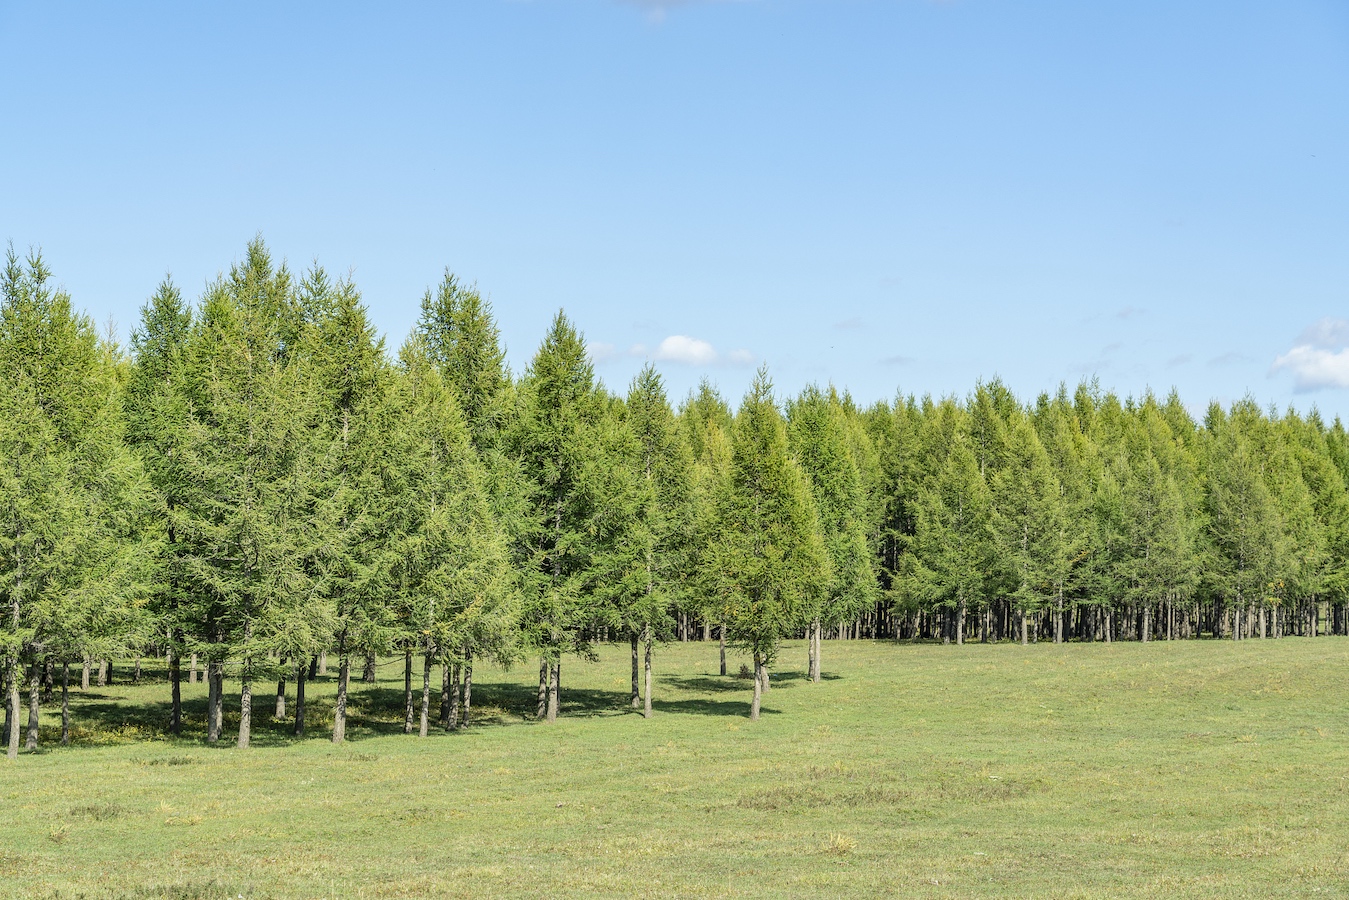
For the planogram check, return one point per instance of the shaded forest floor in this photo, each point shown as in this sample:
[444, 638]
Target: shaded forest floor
[1191, 769]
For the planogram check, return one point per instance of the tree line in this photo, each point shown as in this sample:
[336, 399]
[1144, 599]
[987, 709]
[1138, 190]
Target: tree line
[256, 483]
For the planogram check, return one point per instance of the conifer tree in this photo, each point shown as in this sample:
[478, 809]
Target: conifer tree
[820, 441]
[157, 417]
[768, 566]
[557, 437]
[649, 562]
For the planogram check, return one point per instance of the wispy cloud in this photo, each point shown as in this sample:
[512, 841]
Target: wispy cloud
[897, 360]
[1180, 360]
[677, 348]
[1320, 358]
[1230, 358]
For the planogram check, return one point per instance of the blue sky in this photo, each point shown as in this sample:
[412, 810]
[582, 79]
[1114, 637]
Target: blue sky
[886, 194]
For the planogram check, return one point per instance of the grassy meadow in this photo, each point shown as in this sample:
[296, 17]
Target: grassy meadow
[1187, 769]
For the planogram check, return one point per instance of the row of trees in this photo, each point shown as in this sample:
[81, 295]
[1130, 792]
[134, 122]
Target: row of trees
[256, 482]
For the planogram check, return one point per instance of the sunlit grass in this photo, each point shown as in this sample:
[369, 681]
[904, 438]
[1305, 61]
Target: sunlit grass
[1188, 769]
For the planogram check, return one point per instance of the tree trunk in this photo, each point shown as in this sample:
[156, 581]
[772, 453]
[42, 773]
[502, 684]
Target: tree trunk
[758, 687]
[445, 668]
[646, 709]
[468, 686]
[1024, 634]
[340, 708]
[323, 663]
[136, 673]
[191, 672]
[426, 693]
[34, 704]
[1058, 618]
[452, 715]
[407, 692]
[368, 674]
[214, 700]
[301, 670]
[721, 631]
[815, 639]
[12, 710]
[1145, 631]
[175, 692]
[104, 673]
[544, 672]
[245, 707]
[84, 677]
[313, 667]
[554, 677]
[960, 622]
[280, 711]
[65, 704]
[636, 698]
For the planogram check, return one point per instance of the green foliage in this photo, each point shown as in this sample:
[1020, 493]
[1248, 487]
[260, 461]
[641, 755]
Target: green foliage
[769, 569]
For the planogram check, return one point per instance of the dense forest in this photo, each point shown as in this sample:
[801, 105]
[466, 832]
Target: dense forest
[257, 486]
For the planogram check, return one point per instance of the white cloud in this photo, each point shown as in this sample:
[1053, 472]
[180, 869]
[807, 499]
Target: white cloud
[691, 351]
[1320, 358]
[1314, 368]
[677, 348]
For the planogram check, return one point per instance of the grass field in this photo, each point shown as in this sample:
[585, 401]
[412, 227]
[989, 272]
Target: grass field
[1195, 769]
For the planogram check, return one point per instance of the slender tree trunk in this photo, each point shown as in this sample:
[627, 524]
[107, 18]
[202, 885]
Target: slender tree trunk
[245, 707]
[175, 691]
[301, 670]
[721, 632]
[191, 672]
[280, 711]
[65, 704]
[646, 709]
[407, 692]
[452, 717]
[313, 667]
[12, 709]
[84, 676]
[636, 698]
[819, 649]
[368, 674]
[960, 621]
[445, 667]
[1025, 639]
[1058, 617]
[758, 688]
[1145, 632]
[544, 672]
[136, 673]
[104, 673]
[426, 693]
[340, 709]
[34, 704]
[214, 688]
[468, 685]
[554, 677]
[323, 663]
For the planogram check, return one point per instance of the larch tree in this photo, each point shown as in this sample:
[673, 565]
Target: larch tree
[556, 438]
[768, 566]
[819, 438]
[648, 565]
[157, 415]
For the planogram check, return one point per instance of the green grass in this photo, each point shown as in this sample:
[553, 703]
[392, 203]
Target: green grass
[1196, 769]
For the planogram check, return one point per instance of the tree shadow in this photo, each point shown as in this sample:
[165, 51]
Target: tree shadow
[736, 709]
[708, 684]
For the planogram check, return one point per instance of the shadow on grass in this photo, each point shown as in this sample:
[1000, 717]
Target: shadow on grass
[732, 709]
